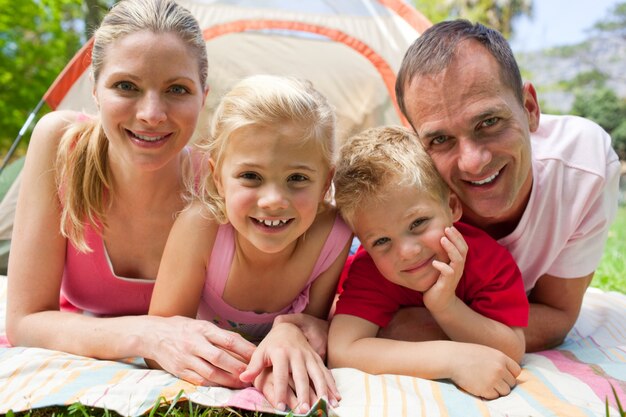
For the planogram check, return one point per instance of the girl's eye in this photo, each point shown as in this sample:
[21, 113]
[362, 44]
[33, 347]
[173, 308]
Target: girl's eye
[125, 86]
[250, 176]
[380, 241]
[179, 89]
[297, 178]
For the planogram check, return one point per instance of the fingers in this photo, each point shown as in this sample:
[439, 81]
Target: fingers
[254, 368]
[231, 342]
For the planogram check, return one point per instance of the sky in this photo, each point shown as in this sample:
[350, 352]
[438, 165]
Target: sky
[558, 22]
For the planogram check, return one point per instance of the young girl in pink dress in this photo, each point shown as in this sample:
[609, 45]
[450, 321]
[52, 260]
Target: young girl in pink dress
[260, 250]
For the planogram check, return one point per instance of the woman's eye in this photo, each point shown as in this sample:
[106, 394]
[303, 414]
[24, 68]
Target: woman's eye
[179, 89]
[125, 86]
[381, 241]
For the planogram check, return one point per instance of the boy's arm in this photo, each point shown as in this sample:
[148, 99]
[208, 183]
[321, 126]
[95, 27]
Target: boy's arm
[480, 370]
[462, 324]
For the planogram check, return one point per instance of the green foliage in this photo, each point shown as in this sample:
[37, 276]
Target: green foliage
[611, 273]
[37, 39]
[609, 111]
[497, 14]
[615, 21]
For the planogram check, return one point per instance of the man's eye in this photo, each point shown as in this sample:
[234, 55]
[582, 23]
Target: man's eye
[490, 122]
[439, 140]
[381, 241]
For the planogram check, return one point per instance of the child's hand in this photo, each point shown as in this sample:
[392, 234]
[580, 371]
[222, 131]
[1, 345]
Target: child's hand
[485, 372]
[291, 357]
[442, 295]
[314, 329]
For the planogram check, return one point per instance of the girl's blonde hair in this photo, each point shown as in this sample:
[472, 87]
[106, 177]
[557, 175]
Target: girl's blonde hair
[266, 100]
[378, 158]
[83, 174]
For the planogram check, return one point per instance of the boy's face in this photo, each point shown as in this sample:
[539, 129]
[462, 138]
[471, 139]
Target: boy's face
[403, 234]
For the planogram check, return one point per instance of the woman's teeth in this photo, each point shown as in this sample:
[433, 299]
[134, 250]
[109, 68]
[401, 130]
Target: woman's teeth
[149, 138]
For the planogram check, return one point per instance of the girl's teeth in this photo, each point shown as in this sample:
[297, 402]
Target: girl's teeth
[273, 223]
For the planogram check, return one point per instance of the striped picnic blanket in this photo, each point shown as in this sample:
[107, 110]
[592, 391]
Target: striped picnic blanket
[573, 380]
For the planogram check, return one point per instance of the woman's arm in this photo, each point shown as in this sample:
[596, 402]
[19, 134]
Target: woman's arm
[33, 316]
[480, 370]
[205, 354]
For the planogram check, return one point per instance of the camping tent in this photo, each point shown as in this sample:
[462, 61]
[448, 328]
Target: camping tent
[350, 50]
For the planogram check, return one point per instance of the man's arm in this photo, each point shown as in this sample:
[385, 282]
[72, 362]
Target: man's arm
[554, 307]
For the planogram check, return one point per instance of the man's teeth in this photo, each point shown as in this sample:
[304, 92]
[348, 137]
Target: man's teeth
[149, 138]
[273, 223]
[486, 180]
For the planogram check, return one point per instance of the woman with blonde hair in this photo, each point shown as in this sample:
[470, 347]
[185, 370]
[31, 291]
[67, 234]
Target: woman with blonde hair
[99, 196]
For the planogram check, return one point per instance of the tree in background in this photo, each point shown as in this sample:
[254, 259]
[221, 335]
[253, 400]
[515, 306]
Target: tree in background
[37, 40]
[497, 14]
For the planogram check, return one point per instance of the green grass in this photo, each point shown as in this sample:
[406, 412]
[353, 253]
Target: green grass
[176, 408]
[611, 274]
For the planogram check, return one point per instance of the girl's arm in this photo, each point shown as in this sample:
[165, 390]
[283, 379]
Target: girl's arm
[297, 345]
[480, 370]
[313, 320]
[209, 354]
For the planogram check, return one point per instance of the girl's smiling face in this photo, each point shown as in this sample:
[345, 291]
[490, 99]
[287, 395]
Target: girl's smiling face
[272, 182]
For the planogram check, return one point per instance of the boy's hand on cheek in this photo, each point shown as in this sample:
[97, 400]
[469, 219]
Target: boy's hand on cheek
[441, 296]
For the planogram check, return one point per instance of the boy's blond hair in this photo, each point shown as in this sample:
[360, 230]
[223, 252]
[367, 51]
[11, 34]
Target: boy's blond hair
[378, 158]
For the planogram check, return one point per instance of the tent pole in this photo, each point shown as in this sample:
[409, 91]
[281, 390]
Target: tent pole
[17, 140]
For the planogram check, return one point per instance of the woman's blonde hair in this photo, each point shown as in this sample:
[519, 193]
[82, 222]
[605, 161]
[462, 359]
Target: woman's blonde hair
[266, 100]
[83, 174]
[378, 158]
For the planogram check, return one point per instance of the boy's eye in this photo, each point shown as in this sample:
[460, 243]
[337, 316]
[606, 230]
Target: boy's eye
[125, 86]
[380, 241]
[417, 223]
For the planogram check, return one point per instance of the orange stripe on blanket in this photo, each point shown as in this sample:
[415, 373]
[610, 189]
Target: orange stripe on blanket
[544, 396]
[439, 398]
[368, 395]
[16, 374]
[402, 395]
[420, 396]
[385, 396]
